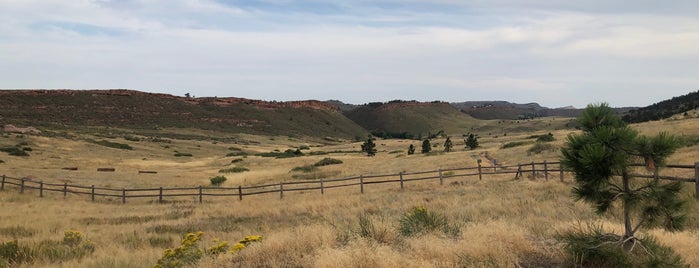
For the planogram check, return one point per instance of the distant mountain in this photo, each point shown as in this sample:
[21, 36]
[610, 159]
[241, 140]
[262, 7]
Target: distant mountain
[410, 119]
[135, 109]
[489, 110]
[664, 109]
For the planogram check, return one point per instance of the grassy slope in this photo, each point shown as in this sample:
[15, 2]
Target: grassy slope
[503, 222]
[413, 118]
[144, 112]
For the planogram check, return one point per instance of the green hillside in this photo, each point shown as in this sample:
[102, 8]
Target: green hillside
[411, 119]
[664, 109]
[139, 110]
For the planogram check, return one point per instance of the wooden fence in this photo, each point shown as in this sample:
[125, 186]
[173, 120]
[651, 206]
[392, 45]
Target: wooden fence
[533, 170]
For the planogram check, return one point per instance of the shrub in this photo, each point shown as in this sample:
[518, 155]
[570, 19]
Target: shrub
[110, 144]
[592, 247]
[73, 246]
[237, 160]
[286, 154]
[545, 138]
[304, 147]
[14, 151]
[306, 169]
[233, 170]
[2, 161]
[218, 180]
[515, 144]
[419, 221]
[328, 161]
[179, 154]
[243, 243]
[187, 253]
[540, 147]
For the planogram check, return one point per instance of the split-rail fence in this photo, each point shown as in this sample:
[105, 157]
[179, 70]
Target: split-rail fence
[533, 170]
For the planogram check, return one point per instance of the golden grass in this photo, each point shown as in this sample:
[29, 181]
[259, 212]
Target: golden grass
[503, 222]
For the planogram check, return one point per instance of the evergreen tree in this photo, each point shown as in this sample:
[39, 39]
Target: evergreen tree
[471, 141]
[369, 147]
[601, 159]
[448, 145]
[411, 149]
[426, 146]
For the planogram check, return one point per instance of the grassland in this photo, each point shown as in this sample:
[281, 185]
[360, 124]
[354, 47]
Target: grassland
[500, 222]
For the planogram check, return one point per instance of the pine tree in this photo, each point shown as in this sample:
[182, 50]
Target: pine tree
[369, 147]
[411, 149]
[601, 158]
[448, 145]
[471, 141]
[426, 146]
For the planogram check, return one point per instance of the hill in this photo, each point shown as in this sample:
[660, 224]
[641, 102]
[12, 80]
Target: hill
[514, 111]
[664, 109]
[140, 110]
[411, 119]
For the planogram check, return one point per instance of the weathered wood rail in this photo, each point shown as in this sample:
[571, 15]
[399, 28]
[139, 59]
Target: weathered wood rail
[532, 170]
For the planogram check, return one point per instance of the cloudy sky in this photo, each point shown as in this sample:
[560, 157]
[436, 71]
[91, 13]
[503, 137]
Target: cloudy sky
[556, 53]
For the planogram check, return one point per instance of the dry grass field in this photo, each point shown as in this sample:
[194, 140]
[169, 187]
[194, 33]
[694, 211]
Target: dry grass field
[495, 222]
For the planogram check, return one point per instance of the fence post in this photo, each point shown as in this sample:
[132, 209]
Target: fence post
[322, 191]
[480, 173]
[519, 171]
[41, 189]
[93, 193]
[561, 168]
[2, 186]
[240, 192]
[123, 195]
[281, 190]
[546, 170]
[441, 178]
[160, 197]
[201, 196]
[401, 179]
[533, 171]
[65, 189]
[696, 180]
[361, 184]
[21, 187]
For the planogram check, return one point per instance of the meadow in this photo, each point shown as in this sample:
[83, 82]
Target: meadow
[494, 222]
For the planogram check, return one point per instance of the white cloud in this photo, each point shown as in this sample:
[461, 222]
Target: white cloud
[498, 50]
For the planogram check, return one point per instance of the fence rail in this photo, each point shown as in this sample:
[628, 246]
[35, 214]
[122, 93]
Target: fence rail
[533, 170]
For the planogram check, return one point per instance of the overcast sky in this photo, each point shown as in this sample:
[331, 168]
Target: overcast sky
[556, 53]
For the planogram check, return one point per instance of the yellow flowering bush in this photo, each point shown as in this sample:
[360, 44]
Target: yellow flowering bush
[187, 253]
[217, 248]
[72, 238]
[245, 241]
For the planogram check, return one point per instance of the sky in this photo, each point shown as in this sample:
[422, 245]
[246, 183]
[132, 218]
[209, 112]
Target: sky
[555, 53]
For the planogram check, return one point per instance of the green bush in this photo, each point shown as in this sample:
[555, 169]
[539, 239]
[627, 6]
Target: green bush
[233, 170]
[179, 154]
[306, 169]
[218, 180]
[328, 161]
[73, 246]
[592, 247]
[540, 147]
[286, 154]
[545, 138]
[304, 147]
[367, 229]
[237, 160]
[515, 144]
[110, 144]
[2, 161]
[14, 151]
[419, 221]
